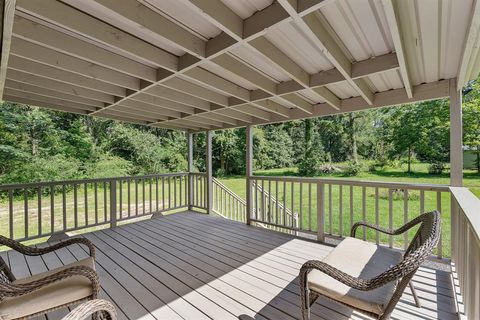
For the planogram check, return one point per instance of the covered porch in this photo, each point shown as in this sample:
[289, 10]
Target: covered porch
[201, 66]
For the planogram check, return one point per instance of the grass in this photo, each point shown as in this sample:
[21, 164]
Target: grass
[335, 223]
[336, 198]
[89, 210]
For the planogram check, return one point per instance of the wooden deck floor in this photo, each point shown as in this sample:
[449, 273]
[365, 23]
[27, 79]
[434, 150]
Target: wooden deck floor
[195, 266]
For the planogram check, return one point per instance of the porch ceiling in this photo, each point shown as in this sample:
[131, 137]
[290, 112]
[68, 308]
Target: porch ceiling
[211, 64]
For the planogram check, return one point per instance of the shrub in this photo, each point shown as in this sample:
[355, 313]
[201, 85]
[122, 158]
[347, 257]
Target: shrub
[377, 165]
[221, 173]
[352, 169]
[37, 169]
[109, 166]
[436, 168]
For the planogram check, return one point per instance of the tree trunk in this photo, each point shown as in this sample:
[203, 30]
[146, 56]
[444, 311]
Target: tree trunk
[353, 137]
[478, 159]
[409, 159]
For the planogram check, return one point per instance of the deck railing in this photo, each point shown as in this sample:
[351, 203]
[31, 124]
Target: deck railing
[35, 210]
[198, 188]
[228, 204]
[329, 207]
[466, 248]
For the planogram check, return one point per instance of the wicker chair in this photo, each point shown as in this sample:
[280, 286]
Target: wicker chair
[366, 277]
[47, 291]
[92, 307]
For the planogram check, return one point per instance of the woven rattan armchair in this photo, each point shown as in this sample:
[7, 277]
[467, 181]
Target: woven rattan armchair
[366, 277]
[93, 307]
[47, 291]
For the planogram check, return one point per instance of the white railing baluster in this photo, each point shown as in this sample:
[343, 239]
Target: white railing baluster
[25, 212]
[10, 213]
[64, 207]
[330, 210]
[377, 217]
[364, 210]
[390, 216]
[340, 209]
[39, 210]
[405, 217]
[440, 241]
[75, 206]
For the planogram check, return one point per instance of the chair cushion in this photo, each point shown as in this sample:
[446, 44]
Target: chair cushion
[359, 259]
[51, 296]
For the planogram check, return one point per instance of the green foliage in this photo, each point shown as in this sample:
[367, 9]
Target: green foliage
[109, 166]
[91, 147]
[37, 169]
[436, 168]
[352, 169]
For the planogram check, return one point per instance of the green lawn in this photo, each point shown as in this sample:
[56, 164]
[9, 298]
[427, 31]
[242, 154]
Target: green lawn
[333, 225]
[90, 209]
[334, 199]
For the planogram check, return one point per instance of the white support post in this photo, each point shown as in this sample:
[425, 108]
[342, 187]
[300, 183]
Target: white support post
[208, 163]
[190, 169]
[249, 172]
[456, 137]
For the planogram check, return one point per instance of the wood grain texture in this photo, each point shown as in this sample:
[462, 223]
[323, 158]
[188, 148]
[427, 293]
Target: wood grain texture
[195, 266]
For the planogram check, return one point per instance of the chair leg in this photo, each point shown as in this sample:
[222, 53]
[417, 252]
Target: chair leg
[414, 293]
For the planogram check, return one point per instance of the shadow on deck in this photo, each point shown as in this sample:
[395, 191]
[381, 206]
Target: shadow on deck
[194, 266]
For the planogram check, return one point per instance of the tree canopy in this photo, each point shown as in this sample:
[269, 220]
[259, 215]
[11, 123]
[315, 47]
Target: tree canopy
[37, 144]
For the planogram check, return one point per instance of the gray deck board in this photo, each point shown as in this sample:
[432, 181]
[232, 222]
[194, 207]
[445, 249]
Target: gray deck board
[194, 266]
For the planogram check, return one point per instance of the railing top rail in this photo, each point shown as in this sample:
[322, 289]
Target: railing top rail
[81, 181]
[198, 173]
[340, 181]
[470, 206]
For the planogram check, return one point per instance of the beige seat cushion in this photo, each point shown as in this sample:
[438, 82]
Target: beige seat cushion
[359, 259]
[53, 295]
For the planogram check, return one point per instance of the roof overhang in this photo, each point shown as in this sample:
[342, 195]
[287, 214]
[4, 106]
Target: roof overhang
[213, 64]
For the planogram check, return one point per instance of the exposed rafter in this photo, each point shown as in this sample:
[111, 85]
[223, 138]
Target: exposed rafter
[468, 57]
[7, 8]
[394, 26]
[134, 60]
[317, 33]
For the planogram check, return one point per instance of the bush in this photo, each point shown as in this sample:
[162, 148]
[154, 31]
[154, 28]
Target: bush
[436, 168]
[377, 165]
[109, 166]
[37, 169]
[352, 169]
[221, 173]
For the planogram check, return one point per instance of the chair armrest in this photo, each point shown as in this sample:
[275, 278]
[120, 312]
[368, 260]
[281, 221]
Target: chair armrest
[33, 251]
[16, 290]
[88, 308]
[370, 226]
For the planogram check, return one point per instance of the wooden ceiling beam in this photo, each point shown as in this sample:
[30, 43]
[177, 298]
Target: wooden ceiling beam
[317, 33]
[66, 17]
[394, 26]
[28, 66]
[59, 86]
[143, 22]
[469, 47]
[154, 101]
[50, 105]
[62, 42]
[7, 8]
[31, 51]
[45, 99]
[12, 84]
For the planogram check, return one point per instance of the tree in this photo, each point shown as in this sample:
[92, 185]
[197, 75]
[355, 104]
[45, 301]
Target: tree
[471, 120]
[313, 155]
